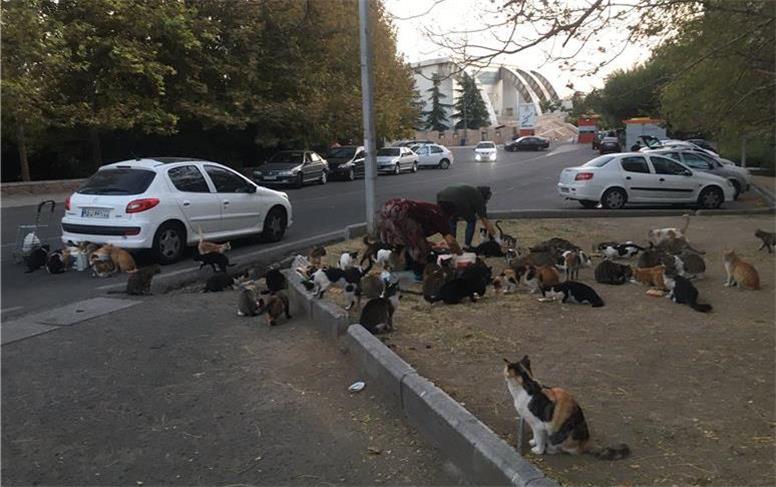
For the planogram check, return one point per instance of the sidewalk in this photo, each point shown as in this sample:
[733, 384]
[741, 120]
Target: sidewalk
[179, 390]
[767, 184]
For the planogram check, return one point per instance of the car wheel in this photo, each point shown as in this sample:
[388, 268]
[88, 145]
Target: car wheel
[323, 178]
[737, 188]
[444, 164]
[169, 242]
[351, 176]
[414, 167]
[588, 204]
[614, 199]
[299, 181]
[711, 198]
[274, 225]
[396, 169]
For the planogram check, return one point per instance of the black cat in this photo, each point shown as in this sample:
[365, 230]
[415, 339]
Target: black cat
[682, 291]
[608, 272]
[213, 259]
[574, 291]
[36, 258]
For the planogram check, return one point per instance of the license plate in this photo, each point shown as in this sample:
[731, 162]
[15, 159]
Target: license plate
[270, 178]
[564, 190]
[95, 212]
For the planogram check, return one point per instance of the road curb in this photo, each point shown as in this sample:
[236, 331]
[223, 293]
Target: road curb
[626, 213]
[764, 194]
[482, 456]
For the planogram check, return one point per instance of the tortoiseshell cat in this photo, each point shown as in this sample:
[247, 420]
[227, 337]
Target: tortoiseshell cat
[555, 418]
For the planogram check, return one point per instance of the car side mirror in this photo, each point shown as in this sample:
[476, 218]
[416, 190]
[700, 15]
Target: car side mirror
[687, 172]
[250, 188]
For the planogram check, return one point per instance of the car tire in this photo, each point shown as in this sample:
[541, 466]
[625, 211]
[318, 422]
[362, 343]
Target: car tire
[414, 167]
[323, 178]
[351, 175]
[711, 198]
[614, 199]
[737, 188]
[169, 242]
[444, 164]
[396, 169]
[588, 203]
[274, 225]
[299, 181]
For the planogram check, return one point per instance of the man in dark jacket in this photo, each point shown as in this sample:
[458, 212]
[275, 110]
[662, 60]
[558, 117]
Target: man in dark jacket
[467, 203]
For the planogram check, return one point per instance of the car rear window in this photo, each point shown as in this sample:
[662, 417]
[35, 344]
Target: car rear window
[118, 181]
[389, 151]
[598, 161]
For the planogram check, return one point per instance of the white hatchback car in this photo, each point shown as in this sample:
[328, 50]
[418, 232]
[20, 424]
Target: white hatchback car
[632, 177]
[485, 151]
[433, 155]
[161, 203]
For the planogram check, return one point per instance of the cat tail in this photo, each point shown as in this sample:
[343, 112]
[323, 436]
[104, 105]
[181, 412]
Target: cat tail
[598, 304]
[703, 308]
[614, 452]
[500, 231]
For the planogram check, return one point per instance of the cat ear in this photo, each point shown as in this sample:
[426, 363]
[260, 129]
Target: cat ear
[526, 362]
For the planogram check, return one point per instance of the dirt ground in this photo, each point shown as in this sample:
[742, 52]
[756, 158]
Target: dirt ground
[691, 393]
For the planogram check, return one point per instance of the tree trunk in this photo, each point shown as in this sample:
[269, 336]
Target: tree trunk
[94, 139]
[22, 143]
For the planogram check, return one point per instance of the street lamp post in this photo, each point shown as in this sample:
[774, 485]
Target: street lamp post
[367, 103]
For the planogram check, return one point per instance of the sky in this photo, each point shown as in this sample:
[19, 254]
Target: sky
[411, 17]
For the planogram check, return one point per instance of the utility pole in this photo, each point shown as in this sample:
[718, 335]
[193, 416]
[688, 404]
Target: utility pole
[368, 106]
[464, 112]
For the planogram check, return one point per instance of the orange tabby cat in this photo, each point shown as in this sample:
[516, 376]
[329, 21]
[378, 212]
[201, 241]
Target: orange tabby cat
[651, 276]
[740, 273]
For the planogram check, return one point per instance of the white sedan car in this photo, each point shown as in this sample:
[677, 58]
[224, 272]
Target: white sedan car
[393, 160]
[162, 203]
[433, 155]
[485, 151]
[615, 180]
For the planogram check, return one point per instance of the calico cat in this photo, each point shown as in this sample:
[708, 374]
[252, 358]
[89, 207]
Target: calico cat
[506, 282]
[58, 261]
[507, 241]
[768, 238]
[275, 306]
[576, 292]
[682, 291]
[204, 247]
[139, 282]
[36, 258]
[690, 265]
[740, 273]
[650, 276]
[348, 260]
[102, 268]
[658, 235]
[218, 282]
[572, 262]
[275, 281]
[248, 301]
[555, 418]
[608, 272]
[377, 315]
[653, 257]
[534, 277]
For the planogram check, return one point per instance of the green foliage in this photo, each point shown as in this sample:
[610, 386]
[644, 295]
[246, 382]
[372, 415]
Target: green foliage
[631, 93]
[471, 104]
[436, 118]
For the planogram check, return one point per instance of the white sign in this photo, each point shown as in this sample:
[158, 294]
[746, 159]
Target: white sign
[527, 115]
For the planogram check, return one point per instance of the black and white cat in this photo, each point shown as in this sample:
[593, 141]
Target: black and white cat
[573, 291]
[348, 260]
[682, 291]
[323, 278]
[612, 250]
[472, 283]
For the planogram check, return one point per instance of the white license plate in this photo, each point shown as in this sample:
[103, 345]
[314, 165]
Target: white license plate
[95, 212]
[564, 190]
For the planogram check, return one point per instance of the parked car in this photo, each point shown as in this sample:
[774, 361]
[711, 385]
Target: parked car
[292, 167]
[609, 144]
[651, 143]
[597, 140]
[433, 155]
[633, 177]
[410, 143]
[161, 203]
[346, 162]
[701, 161]
[393, 160]
[527, 143]
[485, 151]
[704, 144]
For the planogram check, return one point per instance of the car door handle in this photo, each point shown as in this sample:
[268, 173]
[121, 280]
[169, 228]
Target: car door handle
[661, 179]
[628, 178]
[226, 202]
[186, 202]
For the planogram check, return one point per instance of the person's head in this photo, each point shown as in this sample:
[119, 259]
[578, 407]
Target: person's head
[485, 192]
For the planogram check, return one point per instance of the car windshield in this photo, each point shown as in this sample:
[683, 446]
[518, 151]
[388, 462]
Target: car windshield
[486, 145]
[388, 151]
[598, 161]
[287, 157]
[342, 152]
[118, 181]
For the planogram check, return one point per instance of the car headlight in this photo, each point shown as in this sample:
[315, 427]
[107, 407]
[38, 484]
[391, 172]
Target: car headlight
[477, 156]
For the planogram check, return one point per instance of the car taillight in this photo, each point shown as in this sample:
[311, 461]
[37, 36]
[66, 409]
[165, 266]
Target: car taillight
[67, 202]
[136, 206]
[583, 176]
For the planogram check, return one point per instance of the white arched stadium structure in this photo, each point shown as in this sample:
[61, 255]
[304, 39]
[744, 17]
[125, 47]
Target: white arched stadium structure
[508, 91]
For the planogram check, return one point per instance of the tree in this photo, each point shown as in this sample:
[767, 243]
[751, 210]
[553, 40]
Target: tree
[436, 118]
[418, 104]
[630, 93]
[472, 113]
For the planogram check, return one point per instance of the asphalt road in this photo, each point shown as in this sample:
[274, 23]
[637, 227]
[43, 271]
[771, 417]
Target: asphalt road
[520, 180]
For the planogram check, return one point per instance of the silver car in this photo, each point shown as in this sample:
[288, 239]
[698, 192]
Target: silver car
[393, 160]
[701, 161]
[433, 155]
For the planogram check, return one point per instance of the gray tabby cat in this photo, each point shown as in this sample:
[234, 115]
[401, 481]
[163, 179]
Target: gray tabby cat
[690, 265]
[768, 238]
[247, 301]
